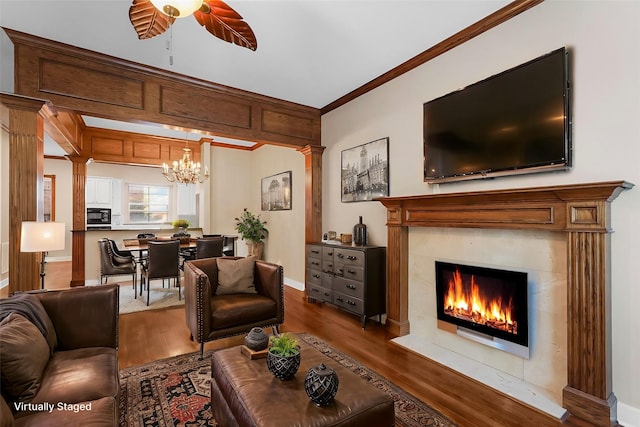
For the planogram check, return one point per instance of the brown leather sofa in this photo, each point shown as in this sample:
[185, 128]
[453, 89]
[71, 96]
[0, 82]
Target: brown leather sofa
[79, 385]
[211, 315]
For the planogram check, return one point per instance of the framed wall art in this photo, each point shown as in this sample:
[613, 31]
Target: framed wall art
[365, 171]
[276, 192]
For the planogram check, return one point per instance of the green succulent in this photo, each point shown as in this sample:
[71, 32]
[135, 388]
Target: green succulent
[284, 344]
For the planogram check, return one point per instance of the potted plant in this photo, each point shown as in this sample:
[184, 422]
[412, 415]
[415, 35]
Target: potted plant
[181, 225]
[251, 229]
[283, 357]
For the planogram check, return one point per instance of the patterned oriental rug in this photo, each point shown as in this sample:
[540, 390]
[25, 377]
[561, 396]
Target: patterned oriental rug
[175, 392]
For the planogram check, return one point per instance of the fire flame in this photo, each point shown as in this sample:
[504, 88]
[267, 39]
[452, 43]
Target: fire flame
[467, 303]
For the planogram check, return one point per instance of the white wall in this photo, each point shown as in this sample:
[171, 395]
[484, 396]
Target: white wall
[602, 37]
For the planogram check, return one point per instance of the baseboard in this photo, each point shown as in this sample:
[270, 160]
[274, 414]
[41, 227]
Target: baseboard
[294, 284]
[628, 416]
[58, 258]
[4, 283]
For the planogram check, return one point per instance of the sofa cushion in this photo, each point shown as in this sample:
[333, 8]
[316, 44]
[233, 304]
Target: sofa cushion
[29, 306]
[80, 375]
[235, 276]
[97, 413]
[241, 309]
[24, 353]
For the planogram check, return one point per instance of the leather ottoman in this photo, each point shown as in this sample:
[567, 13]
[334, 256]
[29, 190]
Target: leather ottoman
[245, 393]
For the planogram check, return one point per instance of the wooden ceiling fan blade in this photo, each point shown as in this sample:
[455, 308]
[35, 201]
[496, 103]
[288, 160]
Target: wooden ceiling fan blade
[148, 21]
[224, 22]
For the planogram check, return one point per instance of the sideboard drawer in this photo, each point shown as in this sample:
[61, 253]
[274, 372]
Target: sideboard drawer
[348, 303]
[319, 293]
[348, 287]
[348, 256]
[314, 251]
[314, 263]
[313, 276]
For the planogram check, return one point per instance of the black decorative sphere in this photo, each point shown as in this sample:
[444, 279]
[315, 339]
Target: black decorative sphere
[321, 384]
[283, 367]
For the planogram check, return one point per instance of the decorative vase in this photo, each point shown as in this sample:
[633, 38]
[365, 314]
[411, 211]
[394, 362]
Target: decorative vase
[256, 339]
[283, 367]
[321, 384]
[255, 249]
[360, 233]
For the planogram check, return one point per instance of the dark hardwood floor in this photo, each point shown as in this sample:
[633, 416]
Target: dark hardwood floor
[153, 335]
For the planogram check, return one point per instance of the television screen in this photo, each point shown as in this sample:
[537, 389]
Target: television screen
[517, 121]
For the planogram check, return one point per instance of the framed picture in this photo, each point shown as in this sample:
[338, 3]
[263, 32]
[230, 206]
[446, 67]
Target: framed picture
[276, 192]
[365, 171]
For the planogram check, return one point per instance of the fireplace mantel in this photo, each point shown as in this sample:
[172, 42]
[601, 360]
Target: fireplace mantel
[582, 212]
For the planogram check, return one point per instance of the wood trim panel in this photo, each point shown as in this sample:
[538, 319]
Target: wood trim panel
[313, 192]
[91, 83]
[485, 24]
[26, 188]
[78, 183]
[65, 129]
[582, 212]
[111, 146]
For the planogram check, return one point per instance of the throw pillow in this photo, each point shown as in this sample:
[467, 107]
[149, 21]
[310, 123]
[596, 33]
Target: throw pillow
[235, 276]
[24, 353]
[31, 308]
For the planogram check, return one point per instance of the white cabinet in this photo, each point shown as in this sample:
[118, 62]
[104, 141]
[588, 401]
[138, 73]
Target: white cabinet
[98, 192]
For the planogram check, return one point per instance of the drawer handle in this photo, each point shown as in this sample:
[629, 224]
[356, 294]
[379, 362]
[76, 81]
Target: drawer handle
[351, 271]
[351, 303]
[326, 294]
[330, 253]
[340, 299]
[352, 258]
[315, 263]
[352, 287]
[315, 252]
[340, 255]
[314, 290]
[317, 276]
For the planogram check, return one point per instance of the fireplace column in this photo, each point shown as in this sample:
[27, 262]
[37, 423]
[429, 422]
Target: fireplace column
[589, 392]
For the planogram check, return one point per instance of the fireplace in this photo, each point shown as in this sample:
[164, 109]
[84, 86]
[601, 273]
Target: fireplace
[486, 305]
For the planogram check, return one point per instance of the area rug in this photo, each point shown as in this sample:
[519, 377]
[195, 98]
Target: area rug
[159, 297]
[175, 392]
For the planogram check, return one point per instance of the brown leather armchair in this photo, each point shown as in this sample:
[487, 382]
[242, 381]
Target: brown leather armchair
[210, 316]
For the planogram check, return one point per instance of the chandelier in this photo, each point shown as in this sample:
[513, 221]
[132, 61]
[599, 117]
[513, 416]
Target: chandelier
[185, 170]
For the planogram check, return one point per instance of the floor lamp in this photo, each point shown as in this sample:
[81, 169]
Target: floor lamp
[42, 237]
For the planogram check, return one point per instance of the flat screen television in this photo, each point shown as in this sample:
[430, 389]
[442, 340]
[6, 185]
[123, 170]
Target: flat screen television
[514, 122]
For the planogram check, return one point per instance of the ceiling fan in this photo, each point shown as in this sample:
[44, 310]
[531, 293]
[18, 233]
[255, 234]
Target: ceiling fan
[153, 17]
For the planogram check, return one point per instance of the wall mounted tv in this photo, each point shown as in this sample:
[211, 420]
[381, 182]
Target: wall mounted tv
[515, 122]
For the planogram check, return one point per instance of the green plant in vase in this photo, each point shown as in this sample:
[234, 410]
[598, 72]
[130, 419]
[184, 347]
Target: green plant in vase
[283, 357]
[251, 229]
[181, 225]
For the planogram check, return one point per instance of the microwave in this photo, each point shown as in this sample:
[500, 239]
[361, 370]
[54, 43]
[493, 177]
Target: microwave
[99, 216]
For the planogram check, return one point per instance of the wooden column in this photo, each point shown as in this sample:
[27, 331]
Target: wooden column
[397, 272]
[26, 193]
[582, 212]
[589, 392]
[313, 192]
[78, 182]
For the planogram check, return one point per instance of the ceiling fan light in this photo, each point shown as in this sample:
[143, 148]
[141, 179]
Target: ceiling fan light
[177, 8]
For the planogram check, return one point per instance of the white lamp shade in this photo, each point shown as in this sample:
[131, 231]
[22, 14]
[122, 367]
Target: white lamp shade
[42, 236]
[184, 7]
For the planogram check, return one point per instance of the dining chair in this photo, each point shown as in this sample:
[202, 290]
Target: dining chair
[206, 247]
[112, 264]
[162, 262]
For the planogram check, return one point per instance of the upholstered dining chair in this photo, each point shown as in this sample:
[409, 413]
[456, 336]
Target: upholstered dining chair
[112, 264]
[229, 296]
[206, 247]
[162, 262]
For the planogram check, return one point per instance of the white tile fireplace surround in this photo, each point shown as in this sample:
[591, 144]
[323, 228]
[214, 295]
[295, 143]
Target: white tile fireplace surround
[538, 381]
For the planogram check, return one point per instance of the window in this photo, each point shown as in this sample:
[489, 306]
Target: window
[148, 203]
